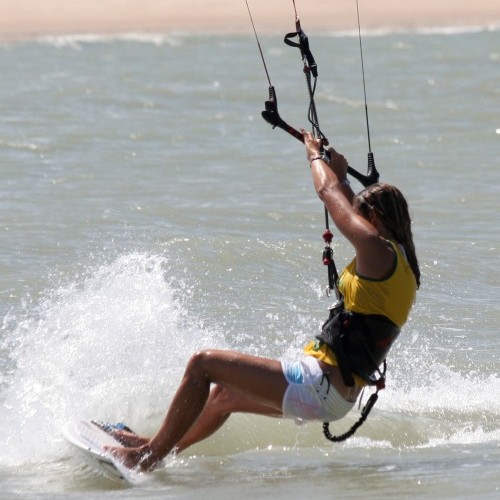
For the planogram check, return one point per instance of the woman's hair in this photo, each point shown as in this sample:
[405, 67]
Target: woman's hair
[390, 206]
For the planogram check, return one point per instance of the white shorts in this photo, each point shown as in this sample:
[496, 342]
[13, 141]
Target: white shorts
[309, 395]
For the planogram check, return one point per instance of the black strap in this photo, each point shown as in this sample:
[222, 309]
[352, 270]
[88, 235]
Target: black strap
[303, 45]
[364, 415]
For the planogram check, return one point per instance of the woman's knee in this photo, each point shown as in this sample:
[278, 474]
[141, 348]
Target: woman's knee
[199, 362]
[225, 400]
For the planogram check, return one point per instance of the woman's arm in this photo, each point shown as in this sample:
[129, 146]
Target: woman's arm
[374, 258]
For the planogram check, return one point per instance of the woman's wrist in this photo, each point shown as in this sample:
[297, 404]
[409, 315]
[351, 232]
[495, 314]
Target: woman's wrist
[343, 182]
[314, 158]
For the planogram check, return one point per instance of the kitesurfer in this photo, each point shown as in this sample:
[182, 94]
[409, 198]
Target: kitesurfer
[378, 285]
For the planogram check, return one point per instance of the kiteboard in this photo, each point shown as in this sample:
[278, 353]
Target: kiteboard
[90, 440]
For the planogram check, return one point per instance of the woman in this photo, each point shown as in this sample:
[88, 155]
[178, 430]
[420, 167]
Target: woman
[377, 224]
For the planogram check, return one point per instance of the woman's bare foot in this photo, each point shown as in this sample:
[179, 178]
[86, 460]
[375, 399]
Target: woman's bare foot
[140, 458]
[128, 439]
[123, 434]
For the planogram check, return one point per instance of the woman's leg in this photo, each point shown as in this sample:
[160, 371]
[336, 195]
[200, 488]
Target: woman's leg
[258, 379]
[221, 403]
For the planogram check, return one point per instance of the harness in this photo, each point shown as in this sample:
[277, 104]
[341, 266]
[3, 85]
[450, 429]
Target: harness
[360, 343]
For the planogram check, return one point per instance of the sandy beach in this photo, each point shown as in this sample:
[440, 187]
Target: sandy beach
[32, 18]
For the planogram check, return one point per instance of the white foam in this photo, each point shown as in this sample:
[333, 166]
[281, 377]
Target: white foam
[78, 39]
[111, 345]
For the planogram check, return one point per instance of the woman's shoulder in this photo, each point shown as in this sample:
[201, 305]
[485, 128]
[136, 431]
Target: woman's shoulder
[377, 259]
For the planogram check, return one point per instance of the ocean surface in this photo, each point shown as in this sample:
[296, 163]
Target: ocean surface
[148, 211]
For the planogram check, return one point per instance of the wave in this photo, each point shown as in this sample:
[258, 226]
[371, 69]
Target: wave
[430, 30]
[112, 344]
[75, 40]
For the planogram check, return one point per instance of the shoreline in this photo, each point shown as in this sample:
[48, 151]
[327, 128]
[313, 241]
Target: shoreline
[161, 38]
[31, 19]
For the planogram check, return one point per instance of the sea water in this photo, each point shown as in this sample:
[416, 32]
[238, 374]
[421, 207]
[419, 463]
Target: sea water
[147, 211]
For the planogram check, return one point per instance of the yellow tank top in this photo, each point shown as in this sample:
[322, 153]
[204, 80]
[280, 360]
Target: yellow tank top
[392, 297]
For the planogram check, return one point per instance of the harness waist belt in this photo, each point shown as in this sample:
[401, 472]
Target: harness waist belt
[360, 342]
